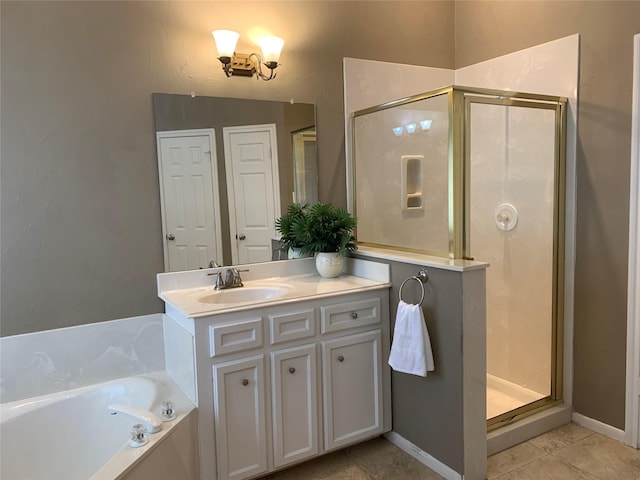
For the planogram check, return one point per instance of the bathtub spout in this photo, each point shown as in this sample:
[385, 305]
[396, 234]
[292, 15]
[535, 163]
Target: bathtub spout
[150, 420]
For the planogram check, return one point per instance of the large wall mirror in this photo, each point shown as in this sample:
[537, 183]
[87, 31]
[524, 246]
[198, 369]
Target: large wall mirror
[228, 168]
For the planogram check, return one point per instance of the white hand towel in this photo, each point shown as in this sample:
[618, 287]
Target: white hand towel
[411, 348]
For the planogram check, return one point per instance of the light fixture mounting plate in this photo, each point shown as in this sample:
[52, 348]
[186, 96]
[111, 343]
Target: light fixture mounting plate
[242, 65]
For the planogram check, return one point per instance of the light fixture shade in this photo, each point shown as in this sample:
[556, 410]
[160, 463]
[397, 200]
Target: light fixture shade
[411, 127]
[271, 48]
[225, 42]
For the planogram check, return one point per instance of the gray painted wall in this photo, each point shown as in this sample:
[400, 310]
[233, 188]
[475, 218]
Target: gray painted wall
[488, 29]
[428, 411]
[81, 232]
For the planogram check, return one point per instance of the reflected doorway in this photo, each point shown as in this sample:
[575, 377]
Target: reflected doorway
[189, 198]
[251, 161]
[305, 166]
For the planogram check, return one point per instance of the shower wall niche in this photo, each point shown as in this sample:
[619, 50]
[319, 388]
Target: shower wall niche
[470, 173]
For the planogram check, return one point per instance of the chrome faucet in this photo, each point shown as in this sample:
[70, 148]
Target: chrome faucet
[231, 279]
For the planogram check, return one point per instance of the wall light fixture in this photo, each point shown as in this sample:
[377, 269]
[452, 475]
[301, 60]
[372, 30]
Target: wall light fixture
[247, 65]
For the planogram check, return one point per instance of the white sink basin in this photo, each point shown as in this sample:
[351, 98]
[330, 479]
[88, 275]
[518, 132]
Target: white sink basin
[242, 294]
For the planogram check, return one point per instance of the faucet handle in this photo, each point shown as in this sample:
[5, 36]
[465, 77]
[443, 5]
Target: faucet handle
[167, 411]
[233, 277]
[138, 435]
[219, 282]
[229, 275]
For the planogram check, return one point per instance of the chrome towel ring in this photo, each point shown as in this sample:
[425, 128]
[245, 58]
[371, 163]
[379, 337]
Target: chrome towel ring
[421, 278]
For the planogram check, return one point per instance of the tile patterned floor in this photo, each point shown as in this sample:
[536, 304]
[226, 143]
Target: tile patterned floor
[570, 452]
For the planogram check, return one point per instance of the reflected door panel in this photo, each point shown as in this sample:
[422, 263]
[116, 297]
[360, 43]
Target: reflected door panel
[252, 185]
[190, 213]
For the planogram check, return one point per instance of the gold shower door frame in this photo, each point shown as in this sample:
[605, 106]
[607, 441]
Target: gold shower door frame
[461, 139]
[460, 100]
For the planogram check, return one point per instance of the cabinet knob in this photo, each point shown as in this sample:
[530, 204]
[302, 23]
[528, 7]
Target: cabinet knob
[340, 358]
[292, 370]
[354, 315]
[245, 382]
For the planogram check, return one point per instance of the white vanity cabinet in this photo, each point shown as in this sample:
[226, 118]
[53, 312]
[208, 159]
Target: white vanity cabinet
[279, 384]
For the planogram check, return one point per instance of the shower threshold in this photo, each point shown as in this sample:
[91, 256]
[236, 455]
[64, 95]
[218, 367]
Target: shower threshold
[504, 396]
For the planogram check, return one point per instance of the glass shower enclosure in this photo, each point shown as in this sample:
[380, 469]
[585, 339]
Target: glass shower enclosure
[471, 173]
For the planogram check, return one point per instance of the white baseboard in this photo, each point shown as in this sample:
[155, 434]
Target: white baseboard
[598, 427]
[422, 456]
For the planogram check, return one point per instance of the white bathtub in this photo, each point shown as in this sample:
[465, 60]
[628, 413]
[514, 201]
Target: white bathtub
[71, 435]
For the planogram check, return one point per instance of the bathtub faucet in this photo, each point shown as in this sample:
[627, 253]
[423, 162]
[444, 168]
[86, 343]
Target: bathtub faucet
[150, 420]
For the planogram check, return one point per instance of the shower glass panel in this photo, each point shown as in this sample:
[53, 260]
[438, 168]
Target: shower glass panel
[471, 173]
[401, 163]
[511, 217]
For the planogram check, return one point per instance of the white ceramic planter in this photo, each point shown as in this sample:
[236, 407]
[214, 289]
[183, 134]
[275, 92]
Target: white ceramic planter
[329, 264]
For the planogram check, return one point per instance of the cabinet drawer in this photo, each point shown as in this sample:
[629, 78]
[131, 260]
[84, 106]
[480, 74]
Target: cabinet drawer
[292, 326]
[235, 337]
[342, 316]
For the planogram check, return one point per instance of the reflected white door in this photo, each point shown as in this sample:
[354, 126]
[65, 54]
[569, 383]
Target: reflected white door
[189, 199]
[251, 160]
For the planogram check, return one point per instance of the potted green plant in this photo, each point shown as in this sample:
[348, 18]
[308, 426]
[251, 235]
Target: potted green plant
[288, 238]
[327, 232]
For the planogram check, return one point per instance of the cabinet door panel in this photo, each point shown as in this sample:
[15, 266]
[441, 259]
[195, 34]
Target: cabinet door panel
[240, 427]
[352, 381]
[295, 406]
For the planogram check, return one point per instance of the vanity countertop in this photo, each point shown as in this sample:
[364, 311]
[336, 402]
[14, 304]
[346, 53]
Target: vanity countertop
[302, 287]
[193, 294]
